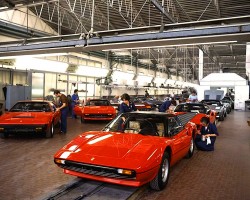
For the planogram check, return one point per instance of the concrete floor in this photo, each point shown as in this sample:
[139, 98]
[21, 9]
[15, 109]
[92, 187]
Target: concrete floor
[27, 170]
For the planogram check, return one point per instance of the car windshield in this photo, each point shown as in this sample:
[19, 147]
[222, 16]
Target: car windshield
[31, 107]
[225, 101]
[137, 123]
[98, 103]
[190, 108]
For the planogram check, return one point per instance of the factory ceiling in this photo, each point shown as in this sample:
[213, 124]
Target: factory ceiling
[119, 20]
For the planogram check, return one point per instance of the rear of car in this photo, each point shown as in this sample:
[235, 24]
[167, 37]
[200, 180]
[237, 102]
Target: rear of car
[98, 110]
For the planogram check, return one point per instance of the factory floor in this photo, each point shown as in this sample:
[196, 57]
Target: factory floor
[27, 170]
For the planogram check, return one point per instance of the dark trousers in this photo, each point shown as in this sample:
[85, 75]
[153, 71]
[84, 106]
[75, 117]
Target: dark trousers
[73, 115]
[202, 145]
[64, 115]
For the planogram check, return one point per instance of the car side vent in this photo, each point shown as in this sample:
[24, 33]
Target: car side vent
[185, 118]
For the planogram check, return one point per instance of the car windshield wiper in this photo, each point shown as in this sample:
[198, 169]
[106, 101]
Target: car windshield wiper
[15, 110]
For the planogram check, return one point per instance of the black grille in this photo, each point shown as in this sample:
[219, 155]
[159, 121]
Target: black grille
[23, 128]
[96, 170]
[185, 118]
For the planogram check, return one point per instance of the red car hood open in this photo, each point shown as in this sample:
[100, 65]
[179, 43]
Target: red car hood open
[25, 118]
[122, 150]
[99, 109]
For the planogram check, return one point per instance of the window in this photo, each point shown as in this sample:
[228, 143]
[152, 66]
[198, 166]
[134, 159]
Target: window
[172, 123]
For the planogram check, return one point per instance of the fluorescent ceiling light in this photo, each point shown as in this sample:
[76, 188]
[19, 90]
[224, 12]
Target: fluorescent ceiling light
[40, 64]
[91, 71]
[33, 56]
[4, 7]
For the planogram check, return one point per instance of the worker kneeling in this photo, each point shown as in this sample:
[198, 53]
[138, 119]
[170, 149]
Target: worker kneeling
[206, 136]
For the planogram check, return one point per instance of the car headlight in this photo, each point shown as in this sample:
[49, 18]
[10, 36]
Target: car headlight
[125, 171]
[59, 161]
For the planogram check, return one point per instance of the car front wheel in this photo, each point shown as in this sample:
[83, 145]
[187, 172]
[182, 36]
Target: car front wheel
[191, 149]
[50, 132]
[161, 179]
[4, 135]
[221, 118]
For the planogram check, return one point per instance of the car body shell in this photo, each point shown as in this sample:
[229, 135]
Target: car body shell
[99, 155]
[218, 106]
[96, 109]
[29, 116]
[197, 107]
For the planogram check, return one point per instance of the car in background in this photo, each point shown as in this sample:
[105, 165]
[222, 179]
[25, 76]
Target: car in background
[227, 104]
[133, 149]
[30, 116]
[219, 108]
[196, 107]
[96, 109]
[154, 103]
[229, 100]
[139, 104]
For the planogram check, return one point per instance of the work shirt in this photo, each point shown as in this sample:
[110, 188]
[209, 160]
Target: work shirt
[193, 98]
[63, 99]
[210, 129]
[165, 106]
[74, 99]
[124, 108]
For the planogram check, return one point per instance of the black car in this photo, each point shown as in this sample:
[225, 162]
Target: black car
[218, 106]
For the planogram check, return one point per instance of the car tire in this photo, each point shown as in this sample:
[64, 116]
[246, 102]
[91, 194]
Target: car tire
[4, 135]
[161, 179]
[221, 118]
[82, 120]
[191, 149]
[50, 132]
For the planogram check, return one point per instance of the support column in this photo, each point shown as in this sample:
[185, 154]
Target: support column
[248, 60]
[201, 64]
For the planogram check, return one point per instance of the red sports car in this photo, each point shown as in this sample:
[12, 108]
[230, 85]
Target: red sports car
[30, 116]
[133, 149]
[96, 109]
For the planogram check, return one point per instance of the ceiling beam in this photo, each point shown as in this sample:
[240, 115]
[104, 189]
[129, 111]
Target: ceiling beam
[162, 10]
[182, 37]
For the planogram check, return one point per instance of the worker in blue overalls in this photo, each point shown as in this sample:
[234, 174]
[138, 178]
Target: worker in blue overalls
[206, 136]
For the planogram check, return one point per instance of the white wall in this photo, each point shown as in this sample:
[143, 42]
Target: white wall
[241, 95]
[200, 92]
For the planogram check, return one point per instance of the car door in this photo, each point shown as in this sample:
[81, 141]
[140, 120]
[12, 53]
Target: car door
[57, 114]
[178, 135]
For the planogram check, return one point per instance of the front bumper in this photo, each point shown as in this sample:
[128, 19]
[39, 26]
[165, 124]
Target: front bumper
[17, 128]
[108, 174]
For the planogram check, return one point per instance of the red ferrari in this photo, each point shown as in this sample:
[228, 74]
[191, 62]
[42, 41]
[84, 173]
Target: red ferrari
[133, 149]
[30, 116]
[96, 109]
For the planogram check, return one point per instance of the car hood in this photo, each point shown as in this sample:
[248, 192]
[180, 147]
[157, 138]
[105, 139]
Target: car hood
[99, 109]
[122, 150]
[215, 107]
[25, 118]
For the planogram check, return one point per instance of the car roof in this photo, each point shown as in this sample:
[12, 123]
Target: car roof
[33, 101]
[192, 103]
